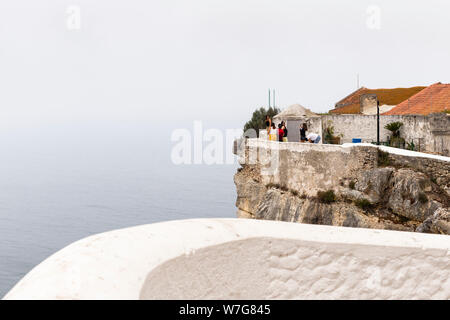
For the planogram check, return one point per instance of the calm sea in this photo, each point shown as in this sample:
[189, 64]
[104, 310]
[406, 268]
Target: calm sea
[60, 184]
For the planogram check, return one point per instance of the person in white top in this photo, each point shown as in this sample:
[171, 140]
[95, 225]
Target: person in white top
[273, 133]
[313, 137]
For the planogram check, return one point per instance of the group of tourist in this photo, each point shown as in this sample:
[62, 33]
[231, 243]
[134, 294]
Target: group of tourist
[281, 133]
[275, 134]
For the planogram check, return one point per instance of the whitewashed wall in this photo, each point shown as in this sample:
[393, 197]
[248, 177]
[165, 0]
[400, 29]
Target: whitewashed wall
[421, 130]
[244, 259]
[365, 127]
[415, 128]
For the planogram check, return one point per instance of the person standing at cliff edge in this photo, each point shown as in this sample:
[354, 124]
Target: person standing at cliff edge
[280, 132]
[313, 137]
[285, 131]
[303, 130]
[268, 125]
[273, 133]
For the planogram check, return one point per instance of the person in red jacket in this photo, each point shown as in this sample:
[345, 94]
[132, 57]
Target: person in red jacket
[283, 126]
[280, 133]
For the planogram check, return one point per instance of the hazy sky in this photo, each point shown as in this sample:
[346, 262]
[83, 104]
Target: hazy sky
[213, 60]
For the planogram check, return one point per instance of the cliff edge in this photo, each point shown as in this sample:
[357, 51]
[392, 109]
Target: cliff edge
[350, 185]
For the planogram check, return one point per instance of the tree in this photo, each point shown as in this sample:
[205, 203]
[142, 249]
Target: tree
[259, 118]
[394, 127]
[396, 140]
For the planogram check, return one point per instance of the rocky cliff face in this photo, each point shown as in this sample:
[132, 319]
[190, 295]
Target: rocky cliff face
[383, 197]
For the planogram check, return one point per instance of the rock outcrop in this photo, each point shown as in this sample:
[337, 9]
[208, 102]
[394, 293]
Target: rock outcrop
[391, 197]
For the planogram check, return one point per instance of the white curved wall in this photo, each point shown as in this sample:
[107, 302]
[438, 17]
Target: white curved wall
[244, 259]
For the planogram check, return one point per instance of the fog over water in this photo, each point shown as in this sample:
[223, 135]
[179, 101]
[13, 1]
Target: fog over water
[59, 185]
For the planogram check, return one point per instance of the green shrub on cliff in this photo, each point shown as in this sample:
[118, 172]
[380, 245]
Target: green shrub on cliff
[423, 197]
[383, 158]
[326, 196]
[351, 185]
[363, 204]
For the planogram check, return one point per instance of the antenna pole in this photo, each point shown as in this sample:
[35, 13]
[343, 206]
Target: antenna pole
[274, 105]
[269, 98]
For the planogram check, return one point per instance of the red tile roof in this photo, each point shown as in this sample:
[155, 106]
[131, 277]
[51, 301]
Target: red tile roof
[352, 98]
[392, 97]
[435, 98]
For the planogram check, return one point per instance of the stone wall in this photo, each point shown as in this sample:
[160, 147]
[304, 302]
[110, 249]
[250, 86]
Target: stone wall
[308, 168]
[429, 133]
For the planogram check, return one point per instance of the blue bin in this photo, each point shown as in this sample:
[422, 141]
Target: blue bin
[356, 140]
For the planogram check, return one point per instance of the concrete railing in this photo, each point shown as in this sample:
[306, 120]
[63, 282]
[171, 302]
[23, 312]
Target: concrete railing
[244, 259]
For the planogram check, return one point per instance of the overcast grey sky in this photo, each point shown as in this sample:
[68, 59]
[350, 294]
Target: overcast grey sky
[212, 60]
